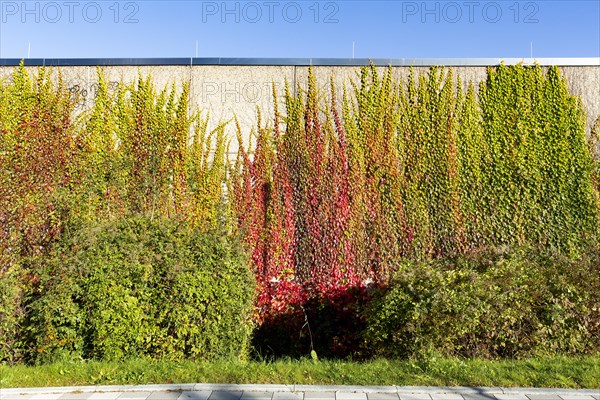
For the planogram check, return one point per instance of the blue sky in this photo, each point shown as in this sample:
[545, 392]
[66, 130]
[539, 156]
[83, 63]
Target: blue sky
[301, 28]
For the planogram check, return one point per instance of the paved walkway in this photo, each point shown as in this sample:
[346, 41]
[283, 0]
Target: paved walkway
[293, 392]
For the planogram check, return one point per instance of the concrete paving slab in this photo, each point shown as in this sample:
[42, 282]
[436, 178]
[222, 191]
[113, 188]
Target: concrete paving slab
[75, 396]
[225, 395]
[164, 396]
[292, 392]
[382, 396]
[548, 391]
[134, 396]
[479, 396]
[576, 397]
[350, 396]
[414, 396]
[257, 395]
[446, 396]
[477, 390]
[195, 395]
[288, 396]
[511, 396]
[105, 396]
[319, 395]
[15, 397]
[376, 389]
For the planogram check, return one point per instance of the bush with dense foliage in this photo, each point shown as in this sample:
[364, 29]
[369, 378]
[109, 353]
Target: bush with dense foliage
[141, 287]
[499, 303]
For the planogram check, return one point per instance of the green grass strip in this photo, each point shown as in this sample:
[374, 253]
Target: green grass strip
[548, 372]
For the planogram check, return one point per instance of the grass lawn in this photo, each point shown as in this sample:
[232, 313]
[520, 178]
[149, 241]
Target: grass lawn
[559, 372]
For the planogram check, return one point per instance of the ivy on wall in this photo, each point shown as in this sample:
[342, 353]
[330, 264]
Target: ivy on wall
[336, 193]
[422, 168]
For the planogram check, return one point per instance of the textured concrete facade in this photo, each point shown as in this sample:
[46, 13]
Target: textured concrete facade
[227, 90]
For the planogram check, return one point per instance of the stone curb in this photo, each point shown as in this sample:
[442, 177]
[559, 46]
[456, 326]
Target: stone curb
[542, 391]
[466, 390]
[450, 389]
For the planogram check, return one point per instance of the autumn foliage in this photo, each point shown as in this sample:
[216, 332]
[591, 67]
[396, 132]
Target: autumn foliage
[337, 192]
[419, 169]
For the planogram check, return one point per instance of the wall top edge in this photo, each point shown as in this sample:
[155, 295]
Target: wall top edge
[351, 62]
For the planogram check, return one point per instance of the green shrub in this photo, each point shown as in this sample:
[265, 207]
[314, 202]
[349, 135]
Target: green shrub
[11, 314]
[494, 304]
[140, 286]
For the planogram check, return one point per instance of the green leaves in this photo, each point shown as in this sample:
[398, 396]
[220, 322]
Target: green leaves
[330, 197]
[162, 157]
[514, 304]
[538, 177]
[141, 287]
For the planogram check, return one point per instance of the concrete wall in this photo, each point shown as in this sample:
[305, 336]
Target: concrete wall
[225, 90]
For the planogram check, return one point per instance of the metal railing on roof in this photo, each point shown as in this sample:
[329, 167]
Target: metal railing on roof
[215, 61]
